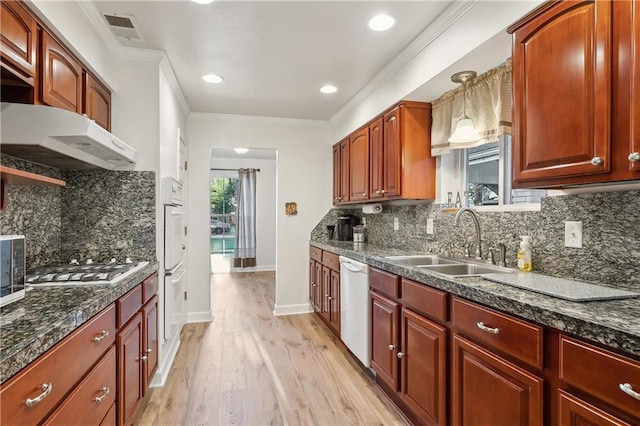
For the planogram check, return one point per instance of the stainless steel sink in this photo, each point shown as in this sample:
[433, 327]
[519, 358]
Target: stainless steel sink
[421, 260]
[465, 269]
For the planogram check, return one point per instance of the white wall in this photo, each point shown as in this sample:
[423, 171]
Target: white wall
[266, 192]
[304, 176]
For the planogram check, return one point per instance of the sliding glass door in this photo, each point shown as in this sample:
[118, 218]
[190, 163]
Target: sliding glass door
[223, 214]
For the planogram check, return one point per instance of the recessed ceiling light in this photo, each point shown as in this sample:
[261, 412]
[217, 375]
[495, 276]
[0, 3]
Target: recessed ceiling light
[328, 89]
[381, 22]
[202, 1]
[241, 150]
[212, 78]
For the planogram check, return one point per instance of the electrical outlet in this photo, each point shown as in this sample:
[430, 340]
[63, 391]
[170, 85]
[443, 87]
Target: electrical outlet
[430, 226]
[573, 234]
[396, 224]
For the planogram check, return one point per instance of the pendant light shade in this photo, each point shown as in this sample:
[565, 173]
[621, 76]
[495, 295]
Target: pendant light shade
[465, 132]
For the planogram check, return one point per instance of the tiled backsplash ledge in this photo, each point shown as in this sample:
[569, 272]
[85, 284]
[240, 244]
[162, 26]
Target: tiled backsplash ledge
[611, 237]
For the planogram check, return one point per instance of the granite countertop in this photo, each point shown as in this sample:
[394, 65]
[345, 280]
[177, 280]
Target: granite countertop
[31, 326]
[615, 323]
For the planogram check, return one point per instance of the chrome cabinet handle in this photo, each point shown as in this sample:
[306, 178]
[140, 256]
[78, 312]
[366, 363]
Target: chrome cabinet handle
[491, 330]
[400, 354]
[364, 194]
[384, 191]
[46, 390]
[103, 335]
[149, 350]
[314, 285]
[634, 156]
[143, 359]
[392, 118]
[105, 391]
[378, 192]
[597, 161]
[392, 347]
[628, 389]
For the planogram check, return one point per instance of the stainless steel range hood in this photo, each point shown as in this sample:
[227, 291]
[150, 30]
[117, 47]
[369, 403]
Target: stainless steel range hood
[61, 139]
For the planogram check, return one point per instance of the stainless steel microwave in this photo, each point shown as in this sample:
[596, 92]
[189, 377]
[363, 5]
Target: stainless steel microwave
[12, 268]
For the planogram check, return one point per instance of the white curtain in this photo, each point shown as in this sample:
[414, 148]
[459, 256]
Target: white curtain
[489, 105]
[245, 251]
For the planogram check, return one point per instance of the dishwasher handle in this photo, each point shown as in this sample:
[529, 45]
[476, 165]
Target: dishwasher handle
[354, 266]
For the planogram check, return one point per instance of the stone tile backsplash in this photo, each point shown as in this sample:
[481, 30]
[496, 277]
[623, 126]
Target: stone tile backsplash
[99, 214]
[611, 235]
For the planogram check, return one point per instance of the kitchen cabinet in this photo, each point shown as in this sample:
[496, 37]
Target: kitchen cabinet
[33, 393]
[150, 339]
[324, 286]
[341, 172]
[359, 165]
[573, 411]
[575, 81]
[18, 49]
[315, 278]
[390, 158]
[408, 349]
[61, 76]
[129, 344]
[96, 101]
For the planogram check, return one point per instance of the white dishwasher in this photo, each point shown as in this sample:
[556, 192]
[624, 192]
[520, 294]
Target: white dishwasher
[355, 311]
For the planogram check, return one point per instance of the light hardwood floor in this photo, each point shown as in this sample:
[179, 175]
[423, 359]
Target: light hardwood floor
[249, 367]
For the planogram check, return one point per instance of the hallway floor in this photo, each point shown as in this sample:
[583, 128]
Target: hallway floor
[248, 367]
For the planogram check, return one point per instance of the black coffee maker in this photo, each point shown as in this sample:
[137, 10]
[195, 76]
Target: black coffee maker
[345, 227]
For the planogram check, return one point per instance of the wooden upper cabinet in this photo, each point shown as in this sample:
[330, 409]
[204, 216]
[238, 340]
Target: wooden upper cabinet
[359, 165]
[19, 32]
[392, 153]
[376, 160]
[61, 76]
[341, 172]
[96, 101]
[336, 173]
[562, 93]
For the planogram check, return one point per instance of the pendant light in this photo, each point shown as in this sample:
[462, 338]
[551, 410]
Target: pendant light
[465, 132]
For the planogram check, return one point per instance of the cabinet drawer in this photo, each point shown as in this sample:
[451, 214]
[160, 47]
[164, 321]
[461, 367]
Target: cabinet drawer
[92, 399]
[315, 253]
[128, 305]
[331, 260]
[58, 370]
[149, 287]
[574, 411]
[111, 418]
[425, 299]
[600, 373]
[512, 336]
[384, 282]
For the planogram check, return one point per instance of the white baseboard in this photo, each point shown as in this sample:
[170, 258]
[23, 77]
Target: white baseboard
[168, 353]
[259, 268]
[304, 308]
[203, 316]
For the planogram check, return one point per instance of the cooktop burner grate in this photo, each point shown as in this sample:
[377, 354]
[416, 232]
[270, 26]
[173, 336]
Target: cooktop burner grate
[75, 274]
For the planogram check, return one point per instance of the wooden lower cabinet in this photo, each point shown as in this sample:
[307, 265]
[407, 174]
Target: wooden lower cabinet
[573, 411]
[129, 344]
[150, 339]
[315, 285]
[324, 286]
[489, 390]
[423, 367]
[385, 340]
[334, 300]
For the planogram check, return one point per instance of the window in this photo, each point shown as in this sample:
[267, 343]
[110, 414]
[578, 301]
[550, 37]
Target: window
[223, 214]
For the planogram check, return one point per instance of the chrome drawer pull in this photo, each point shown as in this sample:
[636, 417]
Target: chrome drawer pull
[491, 330]
[634, 156]
[105, 391]
[143, 359]
[149, 350]
[46, 390]
[628, 389]
[392, 347]
[597, 161]
[103, 335]
[400, 354]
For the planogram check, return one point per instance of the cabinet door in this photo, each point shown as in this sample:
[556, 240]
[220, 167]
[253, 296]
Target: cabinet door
[326, 293]
[150, 321]
[97, 101]
[317, 302]
[359, 165]
[344, 170]
[423, 367]
[392, 153]
[376, 162]
[19, 32]
[573, 411]
[384, 340]
[337, 168]
[562, 94]
[334, 305]
[61, 76]
[129, 346]
[488, 390]
[626, 78]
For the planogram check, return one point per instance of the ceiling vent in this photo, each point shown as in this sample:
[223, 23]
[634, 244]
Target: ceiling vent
[123, 26]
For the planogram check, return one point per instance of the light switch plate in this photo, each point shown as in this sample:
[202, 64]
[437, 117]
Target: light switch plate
[430, 226]
[573, 234]
[396, 224]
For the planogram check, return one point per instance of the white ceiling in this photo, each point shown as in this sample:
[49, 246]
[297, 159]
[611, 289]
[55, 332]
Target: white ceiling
[274, 56]
[252, 153]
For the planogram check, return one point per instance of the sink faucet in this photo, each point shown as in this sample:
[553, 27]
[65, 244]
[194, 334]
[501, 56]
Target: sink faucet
[477, 225]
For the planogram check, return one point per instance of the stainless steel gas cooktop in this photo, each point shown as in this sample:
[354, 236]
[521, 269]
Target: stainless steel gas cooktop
[89, 273]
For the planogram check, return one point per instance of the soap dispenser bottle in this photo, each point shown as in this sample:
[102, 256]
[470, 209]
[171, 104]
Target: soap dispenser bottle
[524, 254]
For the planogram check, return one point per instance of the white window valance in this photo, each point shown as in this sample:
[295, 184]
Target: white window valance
[489, 104]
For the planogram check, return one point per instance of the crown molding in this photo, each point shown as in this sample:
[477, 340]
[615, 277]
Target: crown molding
[205, 116]
[94, 15]
[439, 25]
[167, 69]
